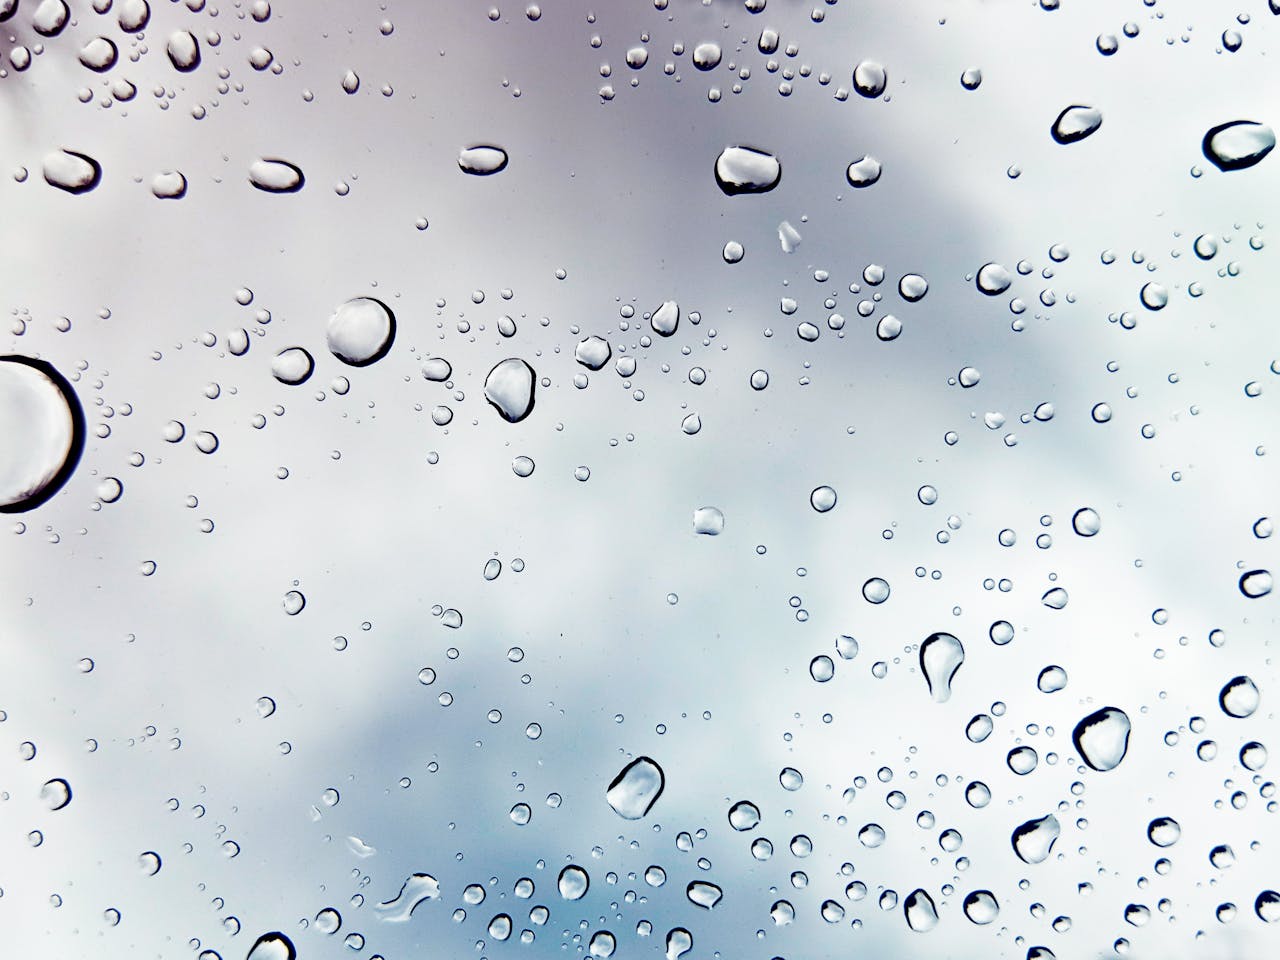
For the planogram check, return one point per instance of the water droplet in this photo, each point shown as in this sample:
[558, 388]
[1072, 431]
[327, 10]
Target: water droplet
[482, 160]
[920, 911]
[361, 331]
[665, 319]
[822, 499]
[328, 921]
[509, 389]
[981, 907]
[171, 185]
[708, 521]
[1267, 906]
[55, 794]
[266, 707]
[733, 252]
[292, 366]
[183, 50]
[149, 863]
[1075, 123]
[294, 601]
[1239, 698]
[1238, 145]
[941, 655]
[1164, 831]
[889, 328]
[602, 944]
[272, 946]
[993, 279]
[971, 79]
[1055, 599]
[437, 369]
[863, 172]
[1033, 840]
[791, 779]
[746, 170]
[273, 175]
[593, 352]
[42, 432]
[1256, 583]
[99, 54]
[912, 287]
[1102, 738]
[1253, 756]
[573, 882]
[1022, 760]
[1051, 679]
[1086, 522]
[870, 79]
[706, 56]
[875, 590]
[73, 172]
[679, 942]
[744, 815]
[703, 894]
[1154, 296]
[636, 788]
[50, 17]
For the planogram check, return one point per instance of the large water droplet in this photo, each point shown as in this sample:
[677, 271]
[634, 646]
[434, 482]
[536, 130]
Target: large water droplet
[171, 185]
[941, 655]
[744, 815]
[703, 894]
[1267, 906]
[708, 521]
[1239, 698]
[1075, 123]
[666, 318]
[99, 54]
[822, 498]
[593, 352]
[870, 79]
[273, 175]
[1256, 583]
[183, 50]
[981, 907]
[636, 788]
[863, 172]
[50, 17]
[1086, 522]
[920, 911]
[573, 882]
[993, 279]
[482, 160]
[41, 432]
[71, 171]
[1238, 145]
[1164, 831]
[55, 794]
[292, 366]
[679, 942]
[1033, 840]
[509, 388]
[706, 56]
[417, 888]
[361, 331]
[272, 946]
[746, 170]
[1102, 738]
[602, 944]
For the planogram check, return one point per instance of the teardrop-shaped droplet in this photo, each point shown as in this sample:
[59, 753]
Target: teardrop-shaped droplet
[272, 175]
[941, 655]
[920, 911]
[272, 946]
[500, 927]
[703, 894]
[361, 331]
[1055, 598]
[1075, 123]
[42, 431]
[636, 788]
[1239, 698]
[573, 882]
[1102, 738]
[746, 170]
[666, 318]
[1238, 145]
[509, 389]
[1033, 840]
[71, 171]
[482, 160]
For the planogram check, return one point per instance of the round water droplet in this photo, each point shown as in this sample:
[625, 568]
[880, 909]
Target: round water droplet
[1102, 738]
[1154, 296]
[170, 185]
[1164, 831]
[1022, 760]
[744, 815]
[73, 172]
[870, 79]
[993, 279]
[706, 56]
[822, 498]
[573, 882]
[971, 79]
[292, 366]
[293, 602]
[1253, 756]
[875, 590]
[981, 907]
[602, 944]
[361, 331]
[55, 794]
[741, 170]
[708, 521]
[99, 54]
[1239, 697]
[482, 160]
[1256, 584]
[1075, 123]
[733, 252]
[509, 389]
[822, 668]
[791, 779]
[941, 655]
[149, 863]
[912, 287]
[636, 788]
[1238, 145]
[1267, 906]
[1051, 679]
[328, 921]
[1086, 522]
[41, 432]
[273, 175]
[889, 328]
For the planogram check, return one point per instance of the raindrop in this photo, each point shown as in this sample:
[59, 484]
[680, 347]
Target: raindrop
[292, 366]
[573, 882]
[1238, 145]
[822, 498]
[863, 172]
[99, 54]
[1075, 123]
[273, 175]
[822, 668]
[602, 944]
[665, 319]
[679, 942]
[870, 79]
[706, 56]
[920, 911]
[703, 894]
[741, 170]
[170, 185]
[1033, 840]
[1102, 738]
[1239, 698]
[981, 907]
[183, 50]
[272, 946]
[482, 160]
[361, 331]
[509, 389]
[55, 794]
[1086, 522]
[1164, 831]
[71, 171]
[744, 815]
[875, 590]
[1256, 583]
[42, 432]
[708, 521]
[593, 352]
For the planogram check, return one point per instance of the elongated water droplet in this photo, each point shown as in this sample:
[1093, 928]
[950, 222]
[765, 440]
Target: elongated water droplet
[273, 175]
[42, 432]
[361, 331]
[1238, 145]
[183, 50]
[920, 911]
[746, 170]
[1256, 584]
[1102, 738]
[1033, 840]
[417, 888]
[169, 185]
[482, 160]
[941, 655]
[636, 788]
[509, 389]
[1075, 123]
[71, 171]
[1055, 598]
[436, 369]
[703, 894]
[573, 882]
[665, 319]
